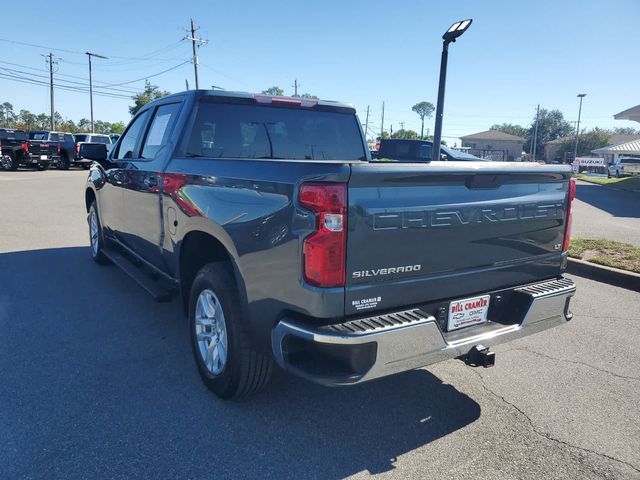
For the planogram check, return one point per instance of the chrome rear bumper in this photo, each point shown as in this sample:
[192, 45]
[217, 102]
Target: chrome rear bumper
[367, 348]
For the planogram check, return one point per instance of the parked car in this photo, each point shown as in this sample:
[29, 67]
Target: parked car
[114, 137]
[82, 138]
[65, 145]
[265, 216]
[405, 150]
[624, 166]
[18, 151]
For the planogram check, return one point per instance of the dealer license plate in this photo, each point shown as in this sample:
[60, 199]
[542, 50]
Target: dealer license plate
[467, 312]
[43, 157]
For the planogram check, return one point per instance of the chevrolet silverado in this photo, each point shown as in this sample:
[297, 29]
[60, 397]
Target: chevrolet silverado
[284, 242]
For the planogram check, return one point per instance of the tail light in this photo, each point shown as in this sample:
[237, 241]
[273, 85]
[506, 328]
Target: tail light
[77, 148]
[325, 249]
[25, 147]
[567, 232]
[59, 149]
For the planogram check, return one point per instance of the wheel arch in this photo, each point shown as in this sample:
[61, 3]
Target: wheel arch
[89, 198]
[198, 248]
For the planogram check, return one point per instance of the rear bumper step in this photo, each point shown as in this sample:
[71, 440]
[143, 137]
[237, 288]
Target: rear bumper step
[363, 349]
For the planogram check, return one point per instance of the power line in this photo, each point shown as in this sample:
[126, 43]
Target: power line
[146, 76]
[31, 81]
[84, 84]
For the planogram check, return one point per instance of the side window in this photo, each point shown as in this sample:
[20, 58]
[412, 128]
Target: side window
[160, 129]
[131, 138]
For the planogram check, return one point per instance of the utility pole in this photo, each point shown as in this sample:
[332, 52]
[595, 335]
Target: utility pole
[575, 149]
[91, 84]
[366, 124]
[295, 87]
[186, 84]
[382, 123]
[402, 128]
[532, 150]
[391, 130]
[51, 62]
[199, 42]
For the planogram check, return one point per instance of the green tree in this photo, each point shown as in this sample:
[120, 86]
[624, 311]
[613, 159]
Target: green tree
[424, 110]
[408, 134]
[275, 91]
[551, 126]
[588, 141]
[308, 95]
[7, 115]
[150, 92]
[511, 129]
[84, 125]
[117, 127]
[619, 130]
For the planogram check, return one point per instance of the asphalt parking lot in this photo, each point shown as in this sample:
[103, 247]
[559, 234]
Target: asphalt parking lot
[98, 381]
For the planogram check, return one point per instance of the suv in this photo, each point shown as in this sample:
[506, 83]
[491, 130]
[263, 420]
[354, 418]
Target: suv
[284, 243]
[624, 166]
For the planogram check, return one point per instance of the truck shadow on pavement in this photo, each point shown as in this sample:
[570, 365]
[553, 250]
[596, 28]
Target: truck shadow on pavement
[98, 379]
[615, 202]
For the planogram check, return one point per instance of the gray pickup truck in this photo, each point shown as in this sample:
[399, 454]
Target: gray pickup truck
[285, 243]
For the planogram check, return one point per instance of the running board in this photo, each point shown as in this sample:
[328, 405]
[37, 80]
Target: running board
[161, 290]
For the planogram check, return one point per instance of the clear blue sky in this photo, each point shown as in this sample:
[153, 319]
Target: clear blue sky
[515, 55]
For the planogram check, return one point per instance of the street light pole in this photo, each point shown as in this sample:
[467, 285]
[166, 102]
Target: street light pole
[91, 84]
[450, 36]
[575, 149]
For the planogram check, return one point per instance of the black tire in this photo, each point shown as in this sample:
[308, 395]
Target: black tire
[86, 166]
[43, 166]
[96, 253]
[63, 162]
[9, 162]
[246, 371]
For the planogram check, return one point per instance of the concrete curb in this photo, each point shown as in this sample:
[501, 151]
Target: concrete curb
[601, 273]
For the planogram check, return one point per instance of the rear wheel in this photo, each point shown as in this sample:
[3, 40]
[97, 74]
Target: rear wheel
[96, 239]
[43, 166]
[63, 162]
[9, 162]
[227, 361]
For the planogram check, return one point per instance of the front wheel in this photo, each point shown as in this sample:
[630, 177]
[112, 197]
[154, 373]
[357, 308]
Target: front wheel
[96, 239]
[226, 360]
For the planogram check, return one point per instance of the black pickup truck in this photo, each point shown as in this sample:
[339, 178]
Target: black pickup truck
[64, 144]
[17, 150]
[405, 150]
[285, 242]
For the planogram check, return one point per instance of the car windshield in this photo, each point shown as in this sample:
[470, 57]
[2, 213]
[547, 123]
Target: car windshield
[100, 139]
[80, 138]
[38, 135]
[244, 131]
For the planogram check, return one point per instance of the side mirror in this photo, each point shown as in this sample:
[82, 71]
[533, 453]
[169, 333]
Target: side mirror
[94, 151]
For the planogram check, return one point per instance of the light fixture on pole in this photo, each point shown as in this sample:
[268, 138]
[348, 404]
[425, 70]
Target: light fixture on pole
[449, 36]
[575, 149]
[91, 84]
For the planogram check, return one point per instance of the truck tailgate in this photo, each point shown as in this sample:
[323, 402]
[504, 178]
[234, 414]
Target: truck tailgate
[447, 230]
